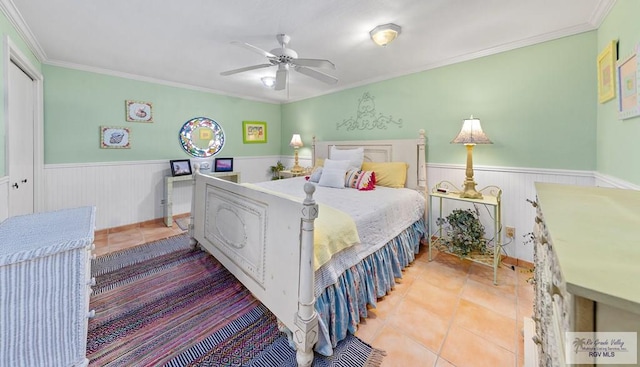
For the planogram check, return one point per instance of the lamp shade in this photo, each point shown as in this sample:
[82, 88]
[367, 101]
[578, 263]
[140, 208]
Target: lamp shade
[471, 133]
[384, 34]
[296, 141]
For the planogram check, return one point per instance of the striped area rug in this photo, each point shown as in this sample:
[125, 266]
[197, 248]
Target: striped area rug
[166, 304]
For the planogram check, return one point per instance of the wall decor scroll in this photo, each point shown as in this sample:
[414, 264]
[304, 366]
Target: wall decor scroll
[367, 118]
[201, 137]
[115, 137]
[138, 111]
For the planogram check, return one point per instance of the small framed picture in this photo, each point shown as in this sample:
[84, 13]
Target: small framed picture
[629, 85]
[138, 111]
[180, 167]
[254, 132]
[223, 165]
[606, 73]
[115, 137]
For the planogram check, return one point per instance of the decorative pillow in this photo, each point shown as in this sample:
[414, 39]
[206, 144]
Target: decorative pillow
[332, 177]
[315, 175]
[361, 180]
[354, 156]
[389, 174]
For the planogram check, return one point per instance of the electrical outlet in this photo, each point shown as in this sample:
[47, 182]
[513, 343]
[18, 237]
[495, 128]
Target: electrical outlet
[162, 202]
[510, 232]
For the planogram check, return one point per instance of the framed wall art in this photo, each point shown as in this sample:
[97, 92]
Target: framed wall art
[223, 165]
[180, 167]
[115, 137]
[254, 132]
[138, 111]
[201, 137]
[628, 87]
[606, 73]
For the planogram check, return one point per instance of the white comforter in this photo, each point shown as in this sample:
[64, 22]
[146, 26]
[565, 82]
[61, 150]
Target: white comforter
[380, 215]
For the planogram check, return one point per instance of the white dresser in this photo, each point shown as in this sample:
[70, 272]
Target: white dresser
[587, 266]
[45, 281]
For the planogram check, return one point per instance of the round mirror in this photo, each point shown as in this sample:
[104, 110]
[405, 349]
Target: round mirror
[201, 137]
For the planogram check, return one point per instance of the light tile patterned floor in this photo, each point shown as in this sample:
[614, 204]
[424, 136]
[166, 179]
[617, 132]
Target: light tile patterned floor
[443, 313]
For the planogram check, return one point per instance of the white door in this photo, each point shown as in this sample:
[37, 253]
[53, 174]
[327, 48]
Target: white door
[20, 141]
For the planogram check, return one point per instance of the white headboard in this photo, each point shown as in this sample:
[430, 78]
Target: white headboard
[411, 151]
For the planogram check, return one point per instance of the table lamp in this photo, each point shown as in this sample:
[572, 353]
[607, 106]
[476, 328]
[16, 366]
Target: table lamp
[470, 135]
[296, 143]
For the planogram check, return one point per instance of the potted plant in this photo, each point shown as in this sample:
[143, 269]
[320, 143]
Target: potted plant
[463, 232]
[275, 170]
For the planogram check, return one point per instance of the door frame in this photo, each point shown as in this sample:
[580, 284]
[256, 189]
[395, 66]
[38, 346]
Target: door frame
[13, 54]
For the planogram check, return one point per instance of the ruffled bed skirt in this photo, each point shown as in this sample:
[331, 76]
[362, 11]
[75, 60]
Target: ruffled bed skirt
[341, 305]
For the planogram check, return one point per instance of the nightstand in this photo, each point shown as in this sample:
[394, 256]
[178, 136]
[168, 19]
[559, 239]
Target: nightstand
[168, 189]
[492, 198]
[288, 174]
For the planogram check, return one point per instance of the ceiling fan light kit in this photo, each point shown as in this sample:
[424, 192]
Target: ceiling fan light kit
[285, 59]
[384, 34]
[268, 81]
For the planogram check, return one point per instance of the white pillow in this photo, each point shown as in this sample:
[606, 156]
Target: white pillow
[332, 177]
[316, 174]
[335, 164]
[354, 156]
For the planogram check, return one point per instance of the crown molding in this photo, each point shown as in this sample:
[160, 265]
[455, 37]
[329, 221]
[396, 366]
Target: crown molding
[551, 36]
[601, 11]
[141, 78]
[15, 18]
[597, 17]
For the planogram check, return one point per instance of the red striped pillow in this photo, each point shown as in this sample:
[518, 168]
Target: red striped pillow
[361, 180]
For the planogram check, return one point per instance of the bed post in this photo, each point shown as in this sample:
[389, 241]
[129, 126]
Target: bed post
[192, 240]
[305, 334]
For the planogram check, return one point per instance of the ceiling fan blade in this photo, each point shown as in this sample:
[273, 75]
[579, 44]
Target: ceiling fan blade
[317, 75]
[281, 77]
[254, 49]
[314, 63]
[247, 68]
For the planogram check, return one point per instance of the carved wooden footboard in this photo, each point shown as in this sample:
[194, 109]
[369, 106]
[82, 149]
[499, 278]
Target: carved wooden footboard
[266, 242]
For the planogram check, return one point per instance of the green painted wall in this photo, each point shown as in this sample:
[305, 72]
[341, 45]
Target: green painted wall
[617, 155]
[77, 103]
[6, 29]
[537, 104]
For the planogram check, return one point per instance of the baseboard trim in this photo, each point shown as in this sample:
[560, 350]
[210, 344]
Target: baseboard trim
[106, 231]
[517, 262]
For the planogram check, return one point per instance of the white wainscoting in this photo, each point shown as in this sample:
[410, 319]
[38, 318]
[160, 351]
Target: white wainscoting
[517, 186]
[132, 192]
[128, 192]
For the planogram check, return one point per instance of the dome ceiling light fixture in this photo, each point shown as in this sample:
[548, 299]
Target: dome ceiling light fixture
[384, 34]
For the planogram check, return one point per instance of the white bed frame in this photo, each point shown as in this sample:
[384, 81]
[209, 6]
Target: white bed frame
[266, 241]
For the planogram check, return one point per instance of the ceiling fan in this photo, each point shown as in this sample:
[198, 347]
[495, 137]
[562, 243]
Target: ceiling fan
[286, 58]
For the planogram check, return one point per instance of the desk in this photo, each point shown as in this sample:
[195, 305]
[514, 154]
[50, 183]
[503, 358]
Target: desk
[491, 197]
[168, 189]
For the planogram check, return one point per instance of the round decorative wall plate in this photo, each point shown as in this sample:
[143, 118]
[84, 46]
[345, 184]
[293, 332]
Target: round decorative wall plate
[201, 137]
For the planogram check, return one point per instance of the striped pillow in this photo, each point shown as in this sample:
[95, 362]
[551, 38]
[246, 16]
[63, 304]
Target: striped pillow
[361, 180]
